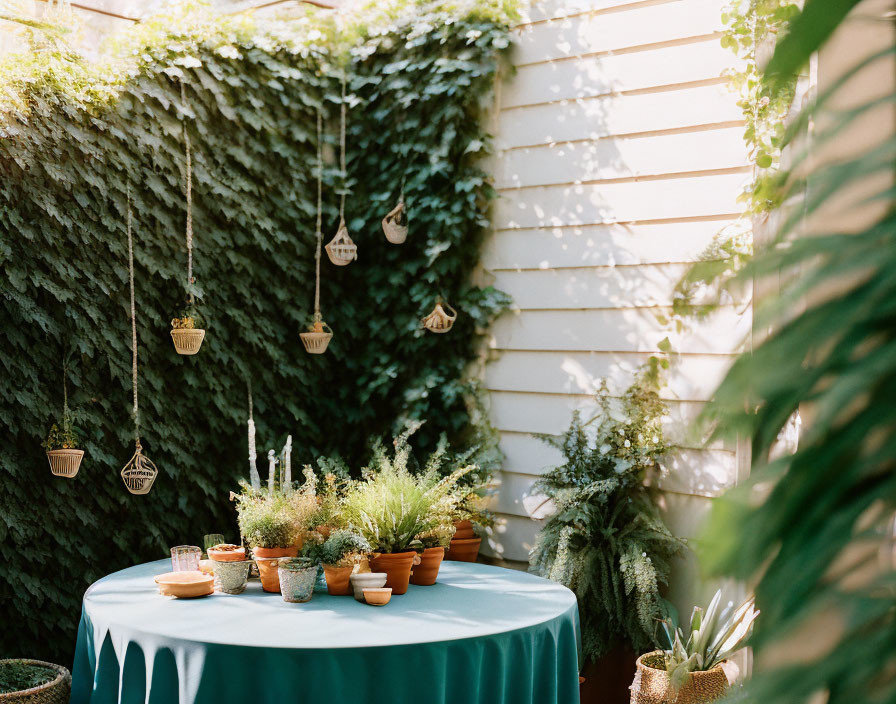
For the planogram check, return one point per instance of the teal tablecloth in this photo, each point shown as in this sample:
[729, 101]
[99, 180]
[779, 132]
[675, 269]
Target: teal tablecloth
[481, 635]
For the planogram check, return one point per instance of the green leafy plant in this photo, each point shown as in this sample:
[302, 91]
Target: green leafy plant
[810, 528]
[17, 675]
[75, 135]
[343, 547]
[273, 519]
[188, 319]
[712, 637]
[605, 539]
[63, 438]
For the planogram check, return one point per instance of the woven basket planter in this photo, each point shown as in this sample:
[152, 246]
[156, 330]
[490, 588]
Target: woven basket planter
[440, 320]
[56, 692]
[395, 225]
[316, 341]
[65, 463]
[652, 685]
[341, 250]
[187, 340]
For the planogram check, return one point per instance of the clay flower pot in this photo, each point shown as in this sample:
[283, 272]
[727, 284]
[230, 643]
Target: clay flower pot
[652, 686]
[397, 566]
[267, 560]
[338, 583]
[227, 553]
[426, 572]
[65, 463]
[463, 530]
[366, 580]
[230, 576]
[464, 550]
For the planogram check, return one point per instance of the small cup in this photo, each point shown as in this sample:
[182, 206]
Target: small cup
[377, 596]
[185, 558]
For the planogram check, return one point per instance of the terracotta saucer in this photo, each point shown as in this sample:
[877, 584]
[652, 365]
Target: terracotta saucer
[185, 585]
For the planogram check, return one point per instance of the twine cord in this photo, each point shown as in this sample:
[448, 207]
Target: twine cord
[133, 324]
[66, 420]
[318, 233]
[189, 166]
[342, 153]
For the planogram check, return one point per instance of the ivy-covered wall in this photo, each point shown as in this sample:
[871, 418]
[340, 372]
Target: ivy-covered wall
[75, 137]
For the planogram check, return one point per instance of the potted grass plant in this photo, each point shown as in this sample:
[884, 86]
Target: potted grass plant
[689, 670]
[34, 682]
[273, 524]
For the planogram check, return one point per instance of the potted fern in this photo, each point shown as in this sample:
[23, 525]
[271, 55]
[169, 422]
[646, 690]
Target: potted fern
[62, 448]
[689, 670]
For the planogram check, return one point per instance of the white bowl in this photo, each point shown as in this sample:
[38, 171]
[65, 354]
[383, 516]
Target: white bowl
[367, 580]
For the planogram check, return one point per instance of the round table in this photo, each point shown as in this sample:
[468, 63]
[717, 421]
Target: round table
[480, 635]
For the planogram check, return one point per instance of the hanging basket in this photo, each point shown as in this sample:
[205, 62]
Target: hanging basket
[139, 473]
[317, 339]
[187, 340]
[652, 686]
[65, 463]
[395, 224]
[439, 320]
[341, 250]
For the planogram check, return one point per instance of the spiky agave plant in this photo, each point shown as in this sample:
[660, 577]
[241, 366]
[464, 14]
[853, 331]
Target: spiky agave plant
[711, 638]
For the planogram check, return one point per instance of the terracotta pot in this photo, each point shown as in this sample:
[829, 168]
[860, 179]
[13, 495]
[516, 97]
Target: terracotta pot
[233, 553]
[267, 561]
[338, 583]
[426, 572]
[377, 596]
[464, 550]
[652, 686]
[397, 566]
[463, 530]
[364, 580]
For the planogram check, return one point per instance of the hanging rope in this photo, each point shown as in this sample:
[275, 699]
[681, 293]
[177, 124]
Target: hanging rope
[66, 420]
[342, 153]
[318, 233]
[133, 324]
[183, 98]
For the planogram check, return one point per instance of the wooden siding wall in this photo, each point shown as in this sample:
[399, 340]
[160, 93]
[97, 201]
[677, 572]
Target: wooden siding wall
[620, 156]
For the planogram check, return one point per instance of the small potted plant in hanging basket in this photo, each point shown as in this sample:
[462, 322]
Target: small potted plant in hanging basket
[187, 331]
[691, 670]
[317, 337]
[440, 320]
[395, 224]
[273, 524]
[339, 554]
[62, 449]
[34, 682]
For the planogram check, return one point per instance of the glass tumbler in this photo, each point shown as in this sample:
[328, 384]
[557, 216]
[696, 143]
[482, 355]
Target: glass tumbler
[185, 558]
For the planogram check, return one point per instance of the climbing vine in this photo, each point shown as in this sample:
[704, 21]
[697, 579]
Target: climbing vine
[75, 136]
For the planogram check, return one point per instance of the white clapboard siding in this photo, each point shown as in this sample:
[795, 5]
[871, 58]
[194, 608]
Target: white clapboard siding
[598, 287]
[623, 330]
[692, 377]
[619, 159]
[628, 201]
[649, 155]
[603, 33]
[601, 245]
[591, 76]
[689, 108]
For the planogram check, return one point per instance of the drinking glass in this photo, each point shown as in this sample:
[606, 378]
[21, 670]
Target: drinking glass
[185, 558]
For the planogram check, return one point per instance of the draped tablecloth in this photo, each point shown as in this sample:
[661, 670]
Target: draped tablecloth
[480, 635]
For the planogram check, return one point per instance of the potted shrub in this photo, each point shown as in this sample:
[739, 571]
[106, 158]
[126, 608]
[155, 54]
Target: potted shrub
[690, 670]
[187, 331]
[34, 682]
[434, 543]
[273, 524]
[339, 553]
[62, 448]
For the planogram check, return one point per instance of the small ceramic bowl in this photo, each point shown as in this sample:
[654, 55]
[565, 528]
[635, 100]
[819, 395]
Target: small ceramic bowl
[377, 596]
[364, 580]
[185, 585]
[227, 553]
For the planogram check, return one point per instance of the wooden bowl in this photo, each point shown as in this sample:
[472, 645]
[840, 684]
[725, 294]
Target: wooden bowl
[378, 596]
[185, 585]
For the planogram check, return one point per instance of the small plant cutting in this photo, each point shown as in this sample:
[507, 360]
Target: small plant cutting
[606, 540]
[689, 669]
[273, 524]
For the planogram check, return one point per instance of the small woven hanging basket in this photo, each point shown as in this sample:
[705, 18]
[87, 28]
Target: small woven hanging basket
[56, 692]
[652, 686]
[65, 463]
[395, 225]
[187, 340]
[341, 250]
[439, 320]
[139, 473]
[316, 340]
